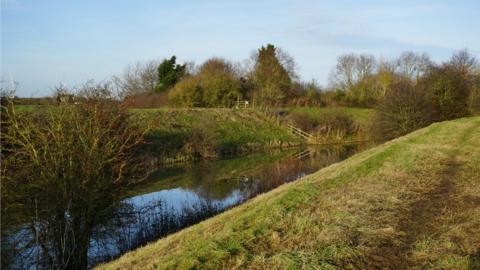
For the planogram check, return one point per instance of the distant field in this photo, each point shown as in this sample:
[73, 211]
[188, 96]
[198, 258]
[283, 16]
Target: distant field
[411, 203]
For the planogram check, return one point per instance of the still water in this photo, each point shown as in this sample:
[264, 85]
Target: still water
[178, 196]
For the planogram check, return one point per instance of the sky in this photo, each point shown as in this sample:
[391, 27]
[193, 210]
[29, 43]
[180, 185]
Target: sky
[44, 43]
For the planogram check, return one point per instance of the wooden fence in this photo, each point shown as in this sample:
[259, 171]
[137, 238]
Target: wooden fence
[301, 133]
[243, 104]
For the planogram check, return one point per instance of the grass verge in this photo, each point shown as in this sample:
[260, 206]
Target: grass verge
[222, 131]
[409, 203]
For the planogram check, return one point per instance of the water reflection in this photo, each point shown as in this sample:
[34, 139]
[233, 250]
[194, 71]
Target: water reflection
[179, 196]
[184, 195]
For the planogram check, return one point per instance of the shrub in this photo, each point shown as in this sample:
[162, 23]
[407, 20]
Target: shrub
[328, 126]
[187, 93]
[146, 100]
[449, 90]
[221, 90]
[302, 120]
[474, 102]
[63, 172]
[334, 98]
[204, 141]
[215, 85]
[336, 123]
[404, 109]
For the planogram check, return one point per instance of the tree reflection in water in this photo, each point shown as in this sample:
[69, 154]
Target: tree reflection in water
[177, 197]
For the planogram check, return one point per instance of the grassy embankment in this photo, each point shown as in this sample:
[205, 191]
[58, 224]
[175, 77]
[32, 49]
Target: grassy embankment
[179, 132]
[224, 131]
[361, 116]
[410, 203]
[332, 124]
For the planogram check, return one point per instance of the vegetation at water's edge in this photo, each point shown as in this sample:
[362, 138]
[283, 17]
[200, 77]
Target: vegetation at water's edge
[412, 202]
[219, 132]
[210, 133]
[63, 171]
[183, 134]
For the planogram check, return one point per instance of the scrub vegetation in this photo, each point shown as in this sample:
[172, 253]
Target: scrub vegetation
[210, 133]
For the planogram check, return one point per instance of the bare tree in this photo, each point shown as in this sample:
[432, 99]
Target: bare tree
[352, 68]
[62, 173]
[464, 60]
[343, 74]
[8, 88]
[288, 62]
[404, 109]
[412, 65]
[137, 78]
[364, 66]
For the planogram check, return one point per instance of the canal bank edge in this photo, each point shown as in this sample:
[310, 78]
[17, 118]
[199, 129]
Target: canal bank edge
[411, 202]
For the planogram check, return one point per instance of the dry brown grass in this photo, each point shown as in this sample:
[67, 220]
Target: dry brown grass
[410, 203]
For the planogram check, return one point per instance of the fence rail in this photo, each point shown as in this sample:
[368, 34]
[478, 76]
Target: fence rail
[300, 133]
[243, 104]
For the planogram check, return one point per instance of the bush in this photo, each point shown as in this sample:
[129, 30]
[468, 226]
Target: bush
[204, 141]
[365, 93]
[146, 100]
[215, 85]
[63, 173]
[187, 93]
[474, 102]
[328, 126]
[449, 90]
[337, 123]
[221, 90]
[405, 108]
[334, 98]
[302, 120]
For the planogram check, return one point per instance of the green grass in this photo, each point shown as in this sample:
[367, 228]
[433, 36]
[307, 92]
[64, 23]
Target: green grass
[361, 116]
[30, 108]
[236, 130]
[412, 202]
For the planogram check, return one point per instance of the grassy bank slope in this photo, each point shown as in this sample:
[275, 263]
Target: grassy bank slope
[411, 202]
[361, 116]
[227, 130]
[331, 124]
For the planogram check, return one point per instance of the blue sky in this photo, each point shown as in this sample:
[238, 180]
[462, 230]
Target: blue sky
[47, 42]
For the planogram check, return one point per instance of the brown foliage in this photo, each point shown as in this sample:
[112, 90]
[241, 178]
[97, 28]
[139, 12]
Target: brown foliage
[204, 141]
[449, 89]
[302, 120]
[63, 170]
[147, 100]
[404, 109]
[337, 123]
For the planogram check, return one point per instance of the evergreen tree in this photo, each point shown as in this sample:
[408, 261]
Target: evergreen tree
[169, 73]
[272, 81]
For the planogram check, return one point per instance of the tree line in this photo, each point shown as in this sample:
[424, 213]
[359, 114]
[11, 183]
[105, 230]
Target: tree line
[407, 92]
[269, 78]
